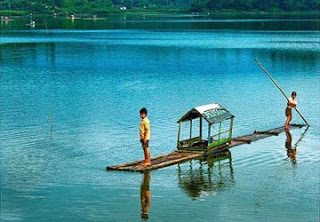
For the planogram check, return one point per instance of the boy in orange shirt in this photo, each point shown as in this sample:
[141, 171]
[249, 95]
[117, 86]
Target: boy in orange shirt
[145, 136]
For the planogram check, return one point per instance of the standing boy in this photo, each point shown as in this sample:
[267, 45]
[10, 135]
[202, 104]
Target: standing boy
[145, 136]
[292, 102]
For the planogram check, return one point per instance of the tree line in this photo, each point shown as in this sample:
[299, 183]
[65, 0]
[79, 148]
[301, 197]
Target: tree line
[248, 5]
[106, 6]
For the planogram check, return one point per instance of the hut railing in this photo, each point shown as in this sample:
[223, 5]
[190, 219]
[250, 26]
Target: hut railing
[190, 141]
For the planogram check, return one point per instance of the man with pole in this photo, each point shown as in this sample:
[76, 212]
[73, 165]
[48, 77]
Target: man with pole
[290, 104]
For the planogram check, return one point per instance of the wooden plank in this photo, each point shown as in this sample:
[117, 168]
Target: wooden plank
[266, 132]
[169, 162]
[298, 125]
[138, 161]
[248, 141]
[179, 156]
[158, 161]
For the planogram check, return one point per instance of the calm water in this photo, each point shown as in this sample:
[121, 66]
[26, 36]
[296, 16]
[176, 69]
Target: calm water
[70, 97]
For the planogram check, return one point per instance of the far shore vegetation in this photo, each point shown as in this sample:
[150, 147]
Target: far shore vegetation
[102, 8]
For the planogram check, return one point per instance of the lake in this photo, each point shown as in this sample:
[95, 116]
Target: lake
[71, 91]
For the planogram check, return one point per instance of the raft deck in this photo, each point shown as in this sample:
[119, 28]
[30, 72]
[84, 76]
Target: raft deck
[175, 157]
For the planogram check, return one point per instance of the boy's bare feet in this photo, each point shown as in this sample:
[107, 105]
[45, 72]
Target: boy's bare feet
[144, 163]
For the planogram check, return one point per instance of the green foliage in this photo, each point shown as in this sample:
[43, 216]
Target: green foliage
[248, 5]
[12, 12]
[108, 6]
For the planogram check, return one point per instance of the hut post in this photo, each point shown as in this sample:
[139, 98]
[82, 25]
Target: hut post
[219, 131]
[209, 131]
[200, 128]
[179, 130]
[190, 128]
[231, 128]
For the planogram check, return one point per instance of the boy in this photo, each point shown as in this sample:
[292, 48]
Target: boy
[292, 102]
[145, 136]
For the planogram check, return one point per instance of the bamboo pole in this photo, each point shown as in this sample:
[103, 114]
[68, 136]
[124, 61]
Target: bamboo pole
[276, 84]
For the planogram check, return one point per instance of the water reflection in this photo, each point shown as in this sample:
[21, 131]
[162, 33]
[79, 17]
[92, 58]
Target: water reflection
[145, 196]
[292, 150]
[301, 137]
[214, 173]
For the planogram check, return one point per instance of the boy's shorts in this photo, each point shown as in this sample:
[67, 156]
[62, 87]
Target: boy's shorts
[288, 112]
[144, 145]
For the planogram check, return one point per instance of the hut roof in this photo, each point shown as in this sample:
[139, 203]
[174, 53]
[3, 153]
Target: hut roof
[212, 113]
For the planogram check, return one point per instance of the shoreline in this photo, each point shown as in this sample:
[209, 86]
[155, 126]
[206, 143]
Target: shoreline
[223, 13]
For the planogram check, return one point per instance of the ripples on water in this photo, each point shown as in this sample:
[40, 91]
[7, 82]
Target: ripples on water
[283, 40]
[70, 102]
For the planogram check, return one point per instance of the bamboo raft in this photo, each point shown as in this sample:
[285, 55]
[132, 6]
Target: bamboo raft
[179, 156]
